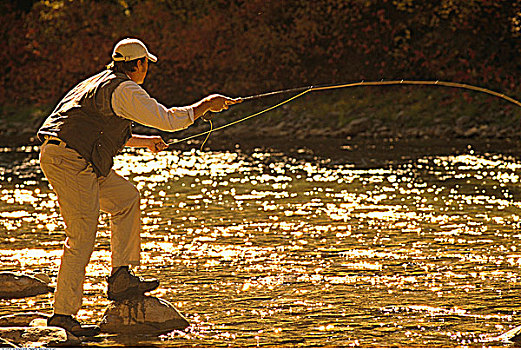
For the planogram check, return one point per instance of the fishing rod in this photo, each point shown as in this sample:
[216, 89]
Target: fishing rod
[306, 89]
[384, 83]
[272, 93]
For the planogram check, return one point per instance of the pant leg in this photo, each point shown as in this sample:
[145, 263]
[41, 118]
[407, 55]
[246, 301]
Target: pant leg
[76, 186]
[120, 199]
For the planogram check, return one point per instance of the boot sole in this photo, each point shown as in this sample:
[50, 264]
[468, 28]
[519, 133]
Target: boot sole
[86, 333]
[130, 293]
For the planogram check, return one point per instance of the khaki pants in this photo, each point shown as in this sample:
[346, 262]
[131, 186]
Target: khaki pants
[81, 196]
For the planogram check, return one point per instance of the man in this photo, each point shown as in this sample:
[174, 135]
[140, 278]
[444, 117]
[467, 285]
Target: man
[89, 126]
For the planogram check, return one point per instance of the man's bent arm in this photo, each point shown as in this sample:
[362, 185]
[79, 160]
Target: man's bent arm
[131, 101]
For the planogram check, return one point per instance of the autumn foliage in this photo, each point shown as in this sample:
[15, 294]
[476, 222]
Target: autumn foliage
[239, 47]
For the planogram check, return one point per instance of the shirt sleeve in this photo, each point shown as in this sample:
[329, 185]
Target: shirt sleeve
[131, 101]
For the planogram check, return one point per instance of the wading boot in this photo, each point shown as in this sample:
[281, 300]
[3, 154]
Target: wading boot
[123, 284]
[73, 326]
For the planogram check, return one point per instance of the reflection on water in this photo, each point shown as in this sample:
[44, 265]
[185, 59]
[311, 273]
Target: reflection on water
[263, 249]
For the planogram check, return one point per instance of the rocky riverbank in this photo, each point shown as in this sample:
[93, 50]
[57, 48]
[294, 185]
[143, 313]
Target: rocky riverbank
[354, 114]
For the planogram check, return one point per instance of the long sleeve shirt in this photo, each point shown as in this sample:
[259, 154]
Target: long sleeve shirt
[131, 101]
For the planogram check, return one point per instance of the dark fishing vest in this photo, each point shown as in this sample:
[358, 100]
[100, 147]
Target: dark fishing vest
[85, 120]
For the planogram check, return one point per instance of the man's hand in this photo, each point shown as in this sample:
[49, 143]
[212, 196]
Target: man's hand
[219, 103]
[157, 144]
[153, 143]
[213, 103]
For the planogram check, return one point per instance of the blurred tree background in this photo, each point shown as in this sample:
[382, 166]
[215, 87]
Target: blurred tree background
[239, 47]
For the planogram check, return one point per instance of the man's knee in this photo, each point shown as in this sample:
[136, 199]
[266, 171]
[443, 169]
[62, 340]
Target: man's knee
[121, 198]
[135, 194]
[132, 197]
[130, 202]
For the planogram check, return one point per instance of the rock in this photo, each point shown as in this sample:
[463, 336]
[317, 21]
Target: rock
[32, 337]
[39, 322]
[4, 343]
[142, 315]
[14, 286]
[22, 318]
[474, 131]
[43, 277]
[357, 126]
[512, 335]
[463, 121]
[458, 132]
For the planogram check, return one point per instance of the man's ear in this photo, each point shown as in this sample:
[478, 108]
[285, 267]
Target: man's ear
[140, 64]
[137, 66]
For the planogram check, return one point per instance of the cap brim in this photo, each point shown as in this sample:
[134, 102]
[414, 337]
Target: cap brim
[151, 57]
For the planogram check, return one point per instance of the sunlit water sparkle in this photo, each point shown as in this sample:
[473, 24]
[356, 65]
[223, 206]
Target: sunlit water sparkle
[263, 249]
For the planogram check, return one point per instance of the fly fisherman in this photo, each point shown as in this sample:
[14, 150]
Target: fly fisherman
[89, 126]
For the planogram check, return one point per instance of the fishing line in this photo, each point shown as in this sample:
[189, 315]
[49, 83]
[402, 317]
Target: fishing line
[208, 135]
[306, 89]
[240, 120]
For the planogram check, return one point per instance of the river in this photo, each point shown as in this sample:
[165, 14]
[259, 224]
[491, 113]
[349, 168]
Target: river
[331, 245]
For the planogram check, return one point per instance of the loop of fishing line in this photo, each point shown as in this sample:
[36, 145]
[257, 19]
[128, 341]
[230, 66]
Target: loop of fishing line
[343, 86]
[208, 135]
[240, 120]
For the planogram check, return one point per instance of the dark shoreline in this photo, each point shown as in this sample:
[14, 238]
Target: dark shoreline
[360, 152]
[370, 153]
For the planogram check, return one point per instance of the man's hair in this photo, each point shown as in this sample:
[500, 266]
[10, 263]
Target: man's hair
[125, 66]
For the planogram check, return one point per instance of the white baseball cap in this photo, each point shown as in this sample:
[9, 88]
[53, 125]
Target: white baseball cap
[131, 49]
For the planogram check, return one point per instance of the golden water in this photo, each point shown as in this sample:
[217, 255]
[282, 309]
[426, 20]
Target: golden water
[264, 249]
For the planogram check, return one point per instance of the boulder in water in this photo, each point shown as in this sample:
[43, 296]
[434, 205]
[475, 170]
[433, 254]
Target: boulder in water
[15, 286]
[32, 337]
[513, 335]
[142, 315]
[22, 318]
